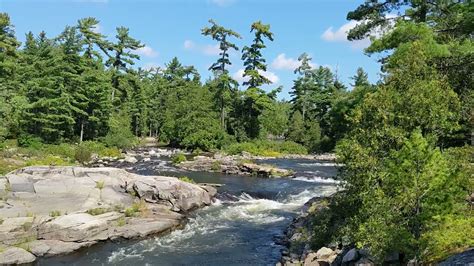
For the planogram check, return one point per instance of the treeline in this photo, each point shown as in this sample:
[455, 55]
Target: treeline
[407, 175]
[82, 86]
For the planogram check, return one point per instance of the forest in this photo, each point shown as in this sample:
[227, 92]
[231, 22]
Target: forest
[405, 143]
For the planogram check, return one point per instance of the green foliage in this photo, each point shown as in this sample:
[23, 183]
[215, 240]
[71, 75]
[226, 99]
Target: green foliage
[178, 158]
[26, 140]
[136, 209]
[82, 155]
[100, 184]
[266, 148]
[97, 211]
[120, 134]
[49, 160]
[187, 180]
[55, 213]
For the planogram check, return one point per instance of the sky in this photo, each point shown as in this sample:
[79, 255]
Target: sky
[172, 28]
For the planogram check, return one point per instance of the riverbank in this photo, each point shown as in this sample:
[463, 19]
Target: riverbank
[49, 211]
[299, 241]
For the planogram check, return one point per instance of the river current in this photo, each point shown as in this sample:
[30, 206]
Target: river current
[240, 228]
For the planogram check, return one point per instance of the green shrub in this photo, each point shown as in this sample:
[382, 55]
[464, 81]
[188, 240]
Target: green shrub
[49, 160]
[83, 155]
[55, 213]
[178, 158]
[100, 184]
[101, 149]
[63, 150]
[97, 211]
[121, 221]
[136, 209]
[216, 166]
[187, 180]
[26, 140]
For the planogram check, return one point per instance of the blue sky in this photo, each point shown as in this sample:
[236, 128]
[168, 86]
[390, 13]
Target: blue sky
[172, 28]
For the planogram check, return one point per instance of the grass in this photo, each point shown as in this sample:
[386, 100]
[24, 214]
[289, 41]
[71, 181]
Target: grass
[121, 221]
[97, 211]
[55, 213]
[136, 209]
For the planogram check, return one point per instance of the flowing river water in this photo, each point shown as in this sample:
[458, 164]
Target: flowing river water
[240, 228]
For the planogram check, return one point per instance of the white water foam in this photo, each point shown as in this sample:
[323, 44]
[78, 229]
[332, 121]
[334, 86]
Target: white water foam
[220, 216]
[319, 164]
[317, 179]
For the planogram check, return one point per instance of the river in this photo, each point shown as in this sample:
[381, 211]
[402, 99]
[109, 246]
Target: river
[240, 228]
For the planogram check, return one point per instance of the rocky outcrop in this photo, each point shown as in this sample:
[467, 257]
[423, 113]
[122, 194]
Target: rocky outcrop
[235, 164]
[47, 211]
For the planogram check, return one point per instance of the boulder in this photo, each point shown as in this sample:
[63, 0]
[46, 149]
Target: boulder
[364, 262]
[14, 255]
[130, 159]
[324, 253]
[351, 256]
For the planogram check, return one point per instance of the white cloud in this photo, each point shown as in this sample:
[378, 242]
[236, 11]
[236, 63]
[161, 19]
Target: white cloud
[340, 35]
[147, 51]
[239, 76]
[281, 62]
[189, 45]
[222, 3]
[211, 49]
[97, 29]
[205, 49]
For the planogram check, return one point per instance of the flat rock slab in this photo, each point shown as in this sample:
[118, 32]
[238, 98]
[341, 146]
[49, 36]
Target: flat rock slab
[14, 255]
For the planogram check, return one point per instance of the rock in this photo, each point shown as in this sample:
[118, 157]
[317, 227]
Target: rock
[147, 159]
[324, 253]
[130, 159]
[152, 152]
[14, 255]
[392, 257]
[350, 256]
[55, 247]
[181, 195]
[463, 258]
[364, 262]
[310, 259]
[76, 227]
[20, 184]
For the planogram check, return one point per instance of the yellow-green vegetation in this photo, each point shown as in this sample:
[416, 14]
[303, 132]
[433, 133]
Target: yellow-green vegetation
[1, 221]
[55, 213]
[14, 156]
[121, 221]
[216, 166]
[100, 184]
[27, 226]
[178, 158]
[266, 148]
[137, 208]
[25, 243]
[187, 180]
[97, 211]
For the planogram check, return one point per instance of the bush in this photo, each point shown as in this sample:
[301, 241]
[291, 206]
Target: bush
[29, 141]
[97, 211]
[63, 150]
[55, 213]
[178, 158]
[187, 180]
[101, 149]
[82, 155]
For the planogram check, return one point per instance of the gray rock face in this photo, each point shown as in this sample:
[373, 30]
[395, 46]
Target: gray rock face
[350, 256]
[14, 255]
[63, 209]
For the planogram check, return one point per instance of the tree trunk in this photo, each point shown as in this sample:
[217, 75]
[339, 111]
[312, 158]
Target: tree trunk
[82, 131]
